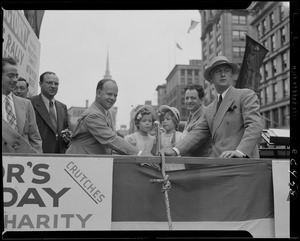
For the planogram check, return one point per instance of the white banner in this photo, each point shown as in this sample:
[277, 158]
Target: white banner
[21, 43]
[57, 193]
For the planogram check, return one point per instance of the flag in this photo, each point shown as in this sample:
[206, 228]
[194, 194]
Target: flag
[249, 76]
[178, 46]
[193, 25]
[214, 195]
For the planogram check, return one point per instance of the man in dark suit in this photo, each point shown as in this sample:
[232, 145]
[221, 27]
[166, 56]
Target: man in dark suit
[95, 130]
[19, 129]
[232, 119]
[51, 115]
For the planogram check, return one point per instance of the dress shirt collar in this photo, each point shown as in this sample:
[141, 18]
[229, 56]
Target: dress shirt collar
[223, 94]
[47, 101]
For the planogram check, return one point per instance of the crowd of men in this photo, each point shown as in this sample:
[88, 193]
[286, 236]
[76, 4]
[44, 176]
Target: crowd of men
[230, 126]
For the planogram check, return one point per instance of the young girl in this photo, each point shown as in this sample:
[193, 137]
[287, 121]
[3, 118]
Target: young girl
[143, 119]
[170, 118]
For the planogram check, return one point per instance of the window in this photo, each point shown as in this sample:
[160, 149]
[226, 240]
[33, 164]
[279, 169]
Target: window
[266, 71]
[284, 61]
[238, 19]
[258, 28]
[210, 34]
[267, 118]
[219, 53]
[261, 96]
[267, 95]
[285, 88]
[272, 20]
[211, 48]
[273, 43]
[189, 73]
[219, 40]
[196, 72]
[275, 118]
[265, 43]
[283, 36]
[281, 14]
[182, 73]
[238, 51]
[274, 86]
[274, 67]
[264, 26]
[204, 55]
[238, 35]
[219, 24]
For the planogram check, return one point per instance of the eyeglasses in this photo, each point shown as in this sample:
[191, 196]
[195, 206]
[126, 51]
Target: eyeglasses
[52, 83]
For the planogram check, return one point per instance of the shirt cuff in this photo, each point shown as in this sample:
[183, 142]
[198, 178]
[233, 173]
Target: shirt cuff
[139, 153]
[176, 150]
[243, 154]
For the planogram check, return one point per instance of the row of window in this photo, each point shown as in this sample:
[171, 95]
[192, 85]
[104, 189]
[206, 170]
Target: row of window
[277, 117]
[270, 21]
[275, 68]
[272, 42]
[266, 92]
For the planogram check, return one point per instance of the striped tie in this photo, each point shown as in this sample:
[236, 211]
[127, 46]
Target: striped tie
[52, 114]
[11, 119]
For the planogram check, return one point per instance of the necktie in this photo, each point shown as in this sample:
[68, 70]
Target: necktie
[219, 102]
[52, 114]
[11, 119]
[189, 118]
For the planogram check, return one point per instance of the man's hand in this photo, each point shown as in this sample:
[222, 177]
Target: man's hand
[168, 151]
[66, 135]
[230, 154]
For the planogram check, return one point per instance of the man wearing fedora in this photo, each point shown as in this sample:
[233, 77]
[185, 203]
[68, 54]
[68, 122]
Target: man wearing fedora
[232, 120]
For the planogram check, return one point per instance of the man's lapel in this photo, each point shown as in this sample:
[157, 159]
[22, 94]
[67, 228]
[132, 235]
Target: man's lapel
[42, 110]
[20, 113]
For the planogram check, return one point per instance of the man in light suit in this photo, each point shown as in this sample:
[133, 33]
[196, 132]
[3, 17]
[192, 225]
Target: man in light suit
[95, 130]
[51, 115]
[18, 113]
[235, 126]
[193, 98]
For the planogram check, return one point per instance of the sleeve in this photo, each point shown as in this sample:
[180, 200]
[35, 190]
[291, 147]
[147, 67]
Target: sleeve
[252, 122]
[97, 125]
[197, 137]
[34, 136]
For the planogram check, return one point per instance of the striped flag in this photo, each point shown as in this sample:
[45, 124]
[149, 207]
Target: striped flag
[178, 46]
[193, 25]
[211, 196]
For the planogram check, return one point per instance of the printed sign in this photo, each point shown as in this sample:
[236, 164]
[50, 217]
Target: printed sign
[57, 193]
[21, 43]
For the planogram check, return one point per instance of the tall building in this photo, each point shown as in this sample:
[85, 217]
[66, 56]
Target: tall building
[173, 91]
[271, 23]
[223, 33]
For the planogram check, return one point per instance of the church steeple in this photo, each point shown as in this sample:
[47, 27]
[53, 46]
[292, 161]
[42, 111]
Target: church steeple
[107, 73]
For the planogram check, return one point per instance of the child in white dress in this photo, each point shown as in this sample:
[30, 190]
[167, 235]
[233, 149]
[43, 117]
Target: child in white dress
[170, 118]
[143, 119]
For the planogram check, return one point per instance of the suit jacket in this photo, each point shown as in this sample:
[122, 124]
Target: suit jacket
[95, 134]
[26, 122]
[236, 126]
[205, 150]
[51, 142]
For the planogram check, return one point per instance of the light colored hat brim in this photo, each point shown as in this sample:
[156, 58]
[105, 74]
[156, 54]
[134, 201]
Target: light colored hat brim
[166, 107]
[209, 69]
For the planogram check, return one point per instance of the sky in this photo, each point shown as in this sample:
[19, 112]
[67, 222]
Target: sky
[142, 52]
